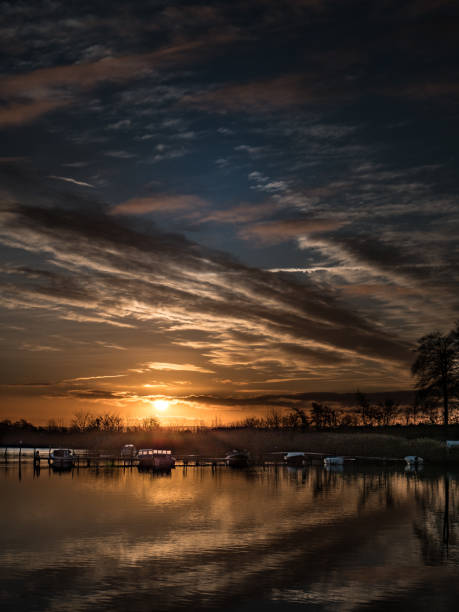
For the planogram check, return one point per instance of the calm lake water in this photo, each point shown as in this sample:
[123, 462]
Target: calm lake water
[268, 539]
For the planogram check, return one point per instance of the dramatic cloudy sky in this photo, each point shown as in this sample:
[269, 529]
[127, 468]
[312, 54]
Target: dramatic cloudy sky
[223, 203]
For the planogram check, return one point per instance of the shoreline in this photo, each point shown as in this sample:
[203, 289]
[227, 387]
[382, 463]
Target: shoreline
[216, 442]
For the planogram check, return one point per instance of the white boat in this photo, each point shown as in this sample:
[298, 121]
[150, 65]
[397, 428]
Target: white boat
[413, 460]
[157, 459]
[334, 460]
[62, 458]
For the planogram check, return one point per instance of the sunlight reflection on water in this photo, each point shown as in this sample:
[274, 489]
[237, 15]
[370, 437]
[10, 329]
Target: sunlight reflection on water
[273, 538]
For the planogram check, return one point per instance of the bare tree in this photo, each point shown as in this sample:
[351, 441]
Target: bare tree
[81, 421]
[273, 419]
[150, 424]
[323, 416]
[389, 410]
[301, 414]
[436, 368]
[363, 407]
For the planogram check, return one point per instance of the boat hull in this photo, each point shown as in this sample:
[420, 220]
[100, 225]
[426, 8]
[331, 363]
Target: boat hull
[157, 462]
[239, 460]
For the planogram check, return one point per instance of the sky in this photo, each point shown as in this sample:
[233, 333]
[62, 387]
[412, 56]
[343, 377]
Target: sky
[222, 205]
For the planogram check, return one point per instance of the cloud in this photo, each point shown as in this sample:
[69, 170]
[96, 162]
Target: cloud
[119, 154]
[17, 113]
[238, 317]
[179, 367]
[278, 231]
[39, 348]
[266, 95]
[158, 202]
[82, 378]
[30, 95]
[252, 151]
[120, 125]
[242, 213]
[72, 180]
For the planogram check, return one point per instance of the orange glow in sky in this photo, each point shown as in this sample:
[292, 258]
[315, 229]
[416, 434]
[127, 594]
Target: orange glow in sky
[161, 404]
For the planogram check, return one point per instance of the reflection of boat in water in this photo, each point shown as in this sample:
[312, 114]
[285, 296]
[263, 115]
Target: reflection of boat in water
[128, 451]
[155, 459]
[236, 458]
[62, 458]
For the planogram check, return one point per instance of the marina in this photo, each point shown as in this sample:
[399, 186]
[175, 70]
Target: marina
[161, 459]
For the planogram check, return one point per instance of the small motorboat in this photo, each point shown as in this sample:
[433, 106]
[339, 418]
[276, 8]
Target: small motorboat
[334, 461]
[128, 451]
[62, 458]
[237, 458]
[413, 460]
[156, 459]
[295, 458]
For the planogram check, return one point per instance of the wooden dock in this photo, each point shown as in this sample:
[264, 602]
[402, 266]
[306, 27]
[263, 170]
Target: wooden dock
[97, 459]
[111, 459]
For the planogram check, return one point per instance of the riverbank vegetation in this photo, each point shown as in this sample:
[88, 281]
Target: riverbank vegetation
[426, 441]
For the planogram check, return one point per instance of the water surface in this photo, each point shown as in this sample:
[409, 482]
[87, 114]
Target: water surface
[266, 538]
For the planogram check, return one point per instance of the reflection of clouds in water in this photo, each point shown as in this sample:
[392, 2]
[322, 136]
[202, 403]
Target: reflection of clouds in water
[218, 536]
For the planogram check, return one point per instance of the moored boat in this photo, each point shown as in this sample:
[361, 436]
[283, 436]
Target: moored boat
[62, 458]
[156, 459]
[295, 458]
[413, 460]
[333, 460]
[237, 458]
[128, 451]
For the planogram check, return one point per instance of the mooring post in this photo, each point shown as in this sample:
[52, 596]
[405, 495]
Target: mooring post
[6, 454]
[20, 451]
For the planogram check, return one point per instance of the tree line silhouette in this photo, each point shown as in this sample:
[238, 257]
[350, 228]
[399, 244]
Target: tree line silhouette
[436, 373]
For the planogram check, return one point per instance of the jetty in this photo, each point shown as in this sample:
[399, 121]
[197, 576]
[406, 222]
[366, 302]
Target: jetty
[87, 458]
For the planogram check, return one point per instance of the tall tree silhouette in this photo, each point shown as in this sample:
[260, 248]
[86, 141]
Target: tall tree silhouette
[436, 368]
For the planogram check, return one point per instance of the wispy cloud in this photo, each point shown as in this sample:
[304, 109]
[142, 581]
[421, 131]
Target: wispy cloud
[278, 231]
[179, 367]
[72, 180]
[158, 202]
[119, 154]
[124, 277]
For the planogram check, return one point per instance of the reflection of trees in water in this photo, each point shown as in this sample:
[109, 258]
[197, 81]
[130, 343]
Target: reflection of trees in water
[379, 485]
[438, 519]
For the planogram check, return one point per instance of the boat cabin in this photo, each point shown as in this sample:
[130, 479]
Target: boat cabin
[128, 450]
[62, 457]
[159, 459]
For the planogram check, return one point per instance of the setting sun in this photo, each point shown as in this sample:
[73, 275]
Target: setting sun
[161, 404]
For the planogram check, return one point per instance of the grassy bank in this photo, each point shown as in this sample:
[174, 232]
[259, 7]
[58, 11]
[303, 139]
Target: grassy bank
[215, 443]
